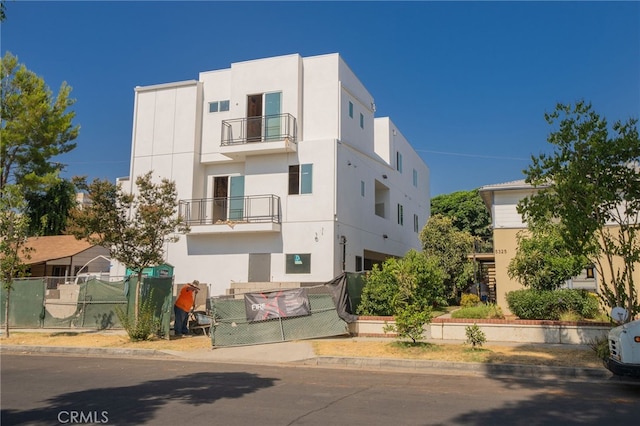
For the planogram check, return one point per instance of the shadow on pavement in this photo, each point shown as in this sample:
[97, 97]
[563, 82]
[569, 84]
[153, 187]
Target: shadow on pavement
[137, 404]
[562, 403]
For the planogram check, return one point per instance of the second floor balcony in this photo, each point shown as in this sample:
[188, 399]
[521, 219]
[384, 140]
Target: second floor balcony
[254, 213]
[267, 134]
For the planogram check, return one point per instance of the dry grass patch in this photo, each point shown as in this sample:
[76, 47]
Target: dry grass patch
[566, 356]
[101, 340]
[517, 354]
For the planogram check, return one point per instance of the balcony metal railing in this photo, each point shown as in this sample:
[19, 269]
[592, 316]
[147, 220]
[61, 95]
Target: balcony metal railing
[266, 128]
[249, 209]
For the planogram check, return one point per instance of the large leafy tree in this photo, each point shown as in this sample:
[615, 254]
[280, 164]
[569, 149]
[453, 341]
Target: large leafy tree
[48, 210]
[467, 213]
[442, 240]
[14, 226]
[590, 183]
[543, 260]
[134, 226]
[36, 126]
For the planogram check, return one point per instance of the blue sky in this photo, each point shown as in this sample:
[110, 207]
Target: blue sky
[467, 83]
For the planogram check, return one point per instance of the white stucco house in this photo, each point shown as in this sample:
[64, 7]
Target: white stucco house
[282, 171]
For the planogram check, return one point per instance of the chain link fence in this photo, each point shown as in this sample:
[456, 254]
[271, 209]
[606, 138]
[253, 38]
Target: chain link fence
[231, 327]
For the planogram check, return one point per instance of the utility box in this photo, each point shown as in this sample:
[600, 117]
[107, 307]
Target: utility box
[160, 271]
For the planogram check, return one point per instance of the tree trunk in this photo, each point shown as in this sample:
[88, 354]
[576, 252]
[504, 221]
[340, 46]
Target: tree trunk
[136, 310]
[6, 311]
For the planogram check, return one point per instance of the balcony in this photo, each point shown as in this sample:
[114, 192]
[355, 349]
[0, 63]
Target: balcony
[225, 215]
[267, 134]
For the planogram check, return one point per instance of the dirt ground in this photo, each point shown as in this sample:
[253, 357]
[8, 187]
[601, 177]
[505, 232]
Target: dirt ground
[552, 355]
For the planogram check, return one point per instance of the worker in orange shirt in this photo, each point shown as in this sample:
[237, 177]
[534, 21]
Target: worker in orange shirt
[185, 302]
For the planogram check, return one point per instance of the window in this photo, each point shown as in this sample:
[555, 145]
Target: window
[399, 161]
[415, 178]
[361, 121]
[358, 263]
[350, 109]
[300, 179]
[362, 188]
[218, 106]
[263, 116]
[416, 224]
[400, 215]
[59, 271]
[382, 200]
[298, 263]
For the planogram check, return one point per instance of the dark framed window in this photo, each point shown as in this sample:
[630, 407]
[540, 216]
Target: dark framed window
[300, 179]
[299, 263]
[358, 263]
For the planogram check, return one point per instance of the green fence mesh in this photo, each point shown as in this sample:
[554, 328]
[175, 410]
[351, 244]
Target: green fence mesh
[231, 327]
[26, 303]
[37, 303]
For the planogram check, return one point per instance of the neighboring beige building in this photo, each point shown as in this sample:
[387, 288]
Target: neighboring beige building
[501, 200]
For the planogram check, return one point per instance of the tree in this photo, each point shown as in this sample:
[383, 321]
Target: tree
[48, 209]
[591, 185]
[134, 226]
[415, 276]
[467, 213]
[35, 126]
[14, 225]
[543, 260]
[405, 288]
[451, 247]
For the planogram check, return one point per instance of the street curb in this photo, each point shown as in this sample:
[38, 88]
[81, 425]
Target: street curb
[516, 370]
[78, 350]
[380, 364]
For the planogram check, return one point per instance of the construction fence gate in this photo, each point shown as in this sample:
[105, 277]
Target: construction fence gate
[284, 315]
[37, 303]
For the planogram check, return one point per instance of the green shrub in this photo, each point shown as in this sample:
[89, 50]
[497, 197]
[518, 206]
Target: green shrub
[378, 292]
[146, 326]
[479, 312]
[469, 300]
[600, 346]
[409, 322]
[475, 336]
[551, 304]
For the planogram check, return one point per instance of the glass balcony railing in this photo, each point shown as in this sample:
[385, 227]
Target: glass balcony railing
[249, 209]
[266, 128]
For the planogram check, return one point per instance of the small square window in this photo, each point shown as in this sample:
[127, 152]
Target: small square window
[361, 121]
[224, 105]
[350, 109]
[213, 106]
[298, 263]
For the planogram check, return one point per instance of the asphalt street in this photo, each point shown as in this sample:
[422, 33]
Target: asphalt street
[51, 389]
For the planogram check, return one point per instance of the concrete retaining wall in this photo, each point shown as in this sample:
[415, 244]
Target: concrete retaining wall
[517, 331]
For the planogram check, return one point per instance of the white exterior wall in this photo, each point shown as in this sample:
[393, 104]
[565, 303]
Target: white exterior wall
[504, 213]
[176, 136]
